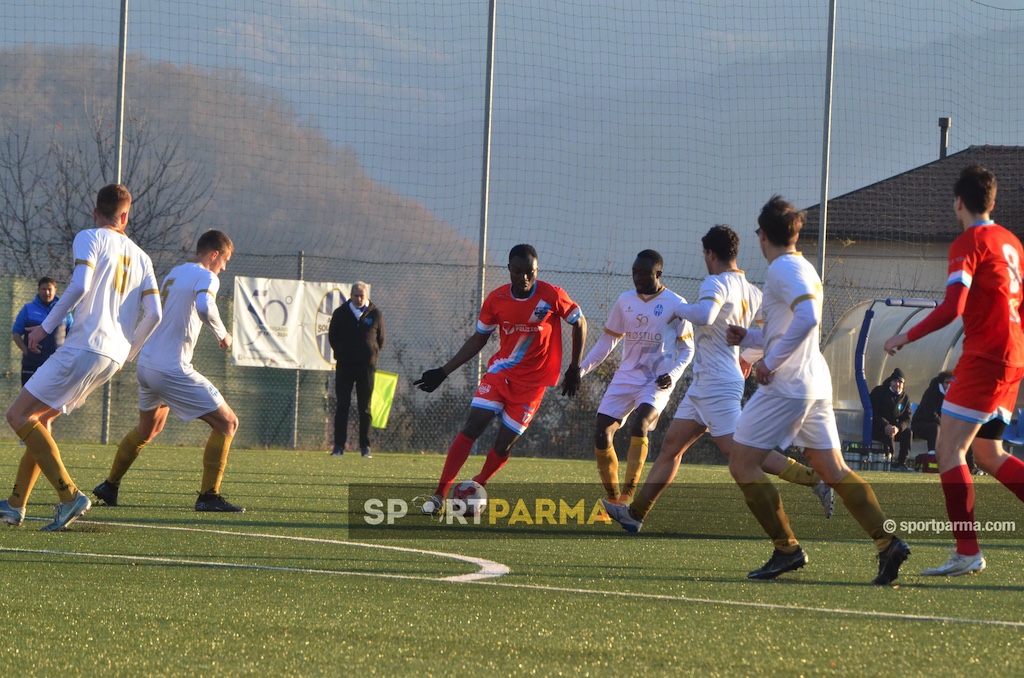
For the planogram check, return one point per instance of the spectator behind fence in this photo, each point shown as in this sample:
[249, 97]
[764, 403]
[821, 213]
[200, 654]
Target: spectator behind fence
[32, 315]
[890, 417]
[925, 422]
[356, 335]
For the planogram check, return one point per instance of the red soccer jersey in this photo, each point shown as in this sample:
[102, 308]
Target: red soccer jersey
[530, 352]
[986, 259]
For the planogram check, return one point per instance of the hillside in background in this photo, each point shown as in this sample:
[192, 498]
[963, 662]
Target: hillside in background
[275, 184]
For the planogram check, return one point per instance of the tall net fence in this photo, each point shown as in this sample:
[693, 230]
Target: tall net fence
[356, 135]
[282, 408]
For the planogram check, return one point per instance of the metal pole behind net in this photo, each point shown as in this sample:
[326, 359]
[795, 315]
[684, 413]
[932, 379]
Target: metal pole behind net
[826, 142]
[485, 182]
[122, 72]
[298, 372]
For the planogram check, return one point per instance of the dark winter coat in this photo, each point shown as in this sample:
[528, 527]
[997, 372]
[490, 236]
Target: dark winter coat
[888, 408]
[356, 341]
[930, 407]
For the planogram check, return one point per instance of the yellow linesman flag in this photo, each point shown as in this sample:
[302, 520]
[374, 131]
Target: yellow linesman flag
[384, 384]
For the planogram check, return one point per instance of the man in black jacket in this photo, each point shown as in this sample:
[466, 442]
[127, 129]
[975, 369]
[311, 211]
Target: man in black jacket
[925, 422]
[890, 416]
[356, 335]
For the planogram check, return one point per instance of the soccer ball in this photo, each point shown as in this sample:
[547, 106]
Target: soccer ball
[468, 499]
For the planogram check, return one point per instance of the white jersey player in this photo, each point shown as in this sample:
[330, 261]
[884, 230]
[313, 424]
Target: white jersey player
[188, 294]
[712, 401]
[657, 346]
[112, 283]
[794, 404]
[169, 383]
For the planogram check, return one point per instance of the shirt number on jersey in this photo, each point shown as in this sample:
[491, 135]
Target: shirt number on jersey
[165, 290]
[124, 265]
[1013, 264]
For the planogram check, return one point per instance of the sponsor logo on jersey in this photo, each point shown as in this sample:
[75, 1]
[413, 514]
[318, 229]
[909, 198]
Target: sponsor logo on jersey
[511, 328]
[642, 320]
[653, 337]
[484, 389]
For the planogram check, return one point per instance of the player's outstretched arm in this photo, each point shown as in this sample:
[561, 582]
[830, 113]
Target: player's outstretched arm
[735, 334]
[896, 342]
[704, 312]
[684, 355]
[81, 282]
[599, 352]
[206, 308]
[152, 312]
[571, 379]
[806, 316]
[951, 308]
[431, 379]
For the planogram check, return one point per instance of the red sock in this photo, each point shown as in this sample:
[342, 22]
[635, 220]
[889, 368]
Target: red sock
[1011, 474]
[958, 489]
[458, 453]
[492, 464]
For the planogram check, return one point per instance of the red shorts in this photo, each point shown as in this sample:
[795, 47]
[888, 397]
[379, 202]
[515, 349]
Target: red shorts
[516, 404]
[982, 390]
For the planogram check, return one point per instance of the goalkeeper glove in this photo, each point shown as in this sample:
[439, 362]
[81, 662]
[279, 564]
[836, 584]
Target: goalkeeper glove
[571, 381]
[430, 380]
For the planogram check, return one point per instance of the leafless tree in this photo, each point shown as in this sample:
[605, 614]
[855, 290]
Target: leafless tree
[47, 191]
[26, 202]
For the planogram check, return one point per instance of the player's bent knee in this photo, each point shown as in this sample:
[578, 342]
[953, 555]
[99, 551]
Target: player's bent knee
[229, 424]
[17, 416]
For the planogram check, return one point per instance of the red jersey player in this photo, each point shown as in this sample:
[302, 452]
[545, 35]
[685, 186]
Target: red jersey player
[984, 286]
[526, 315]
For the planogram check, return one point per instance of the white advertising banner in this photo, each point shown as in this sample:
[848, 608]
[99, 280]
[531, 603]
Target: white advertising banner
[284, 323]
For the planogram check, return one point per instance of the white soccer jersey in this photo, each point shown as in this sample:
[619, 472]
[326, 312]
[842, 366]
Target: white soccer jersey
[106, 317]
[804, 373]
[731, 300]
[170, 347]
[649, 329]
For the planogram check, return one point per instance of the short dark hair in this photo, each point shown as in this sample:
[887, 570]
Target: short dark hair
[722, 241]
[112, 199]
[652, 256]
[522, 250]
[780, 221]
[46, 280]
[214, 241]
[977, 188]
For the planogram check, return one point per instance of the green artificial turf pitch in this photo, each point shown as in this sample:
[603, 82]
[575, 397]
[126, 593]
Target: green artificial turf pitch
[152, 588]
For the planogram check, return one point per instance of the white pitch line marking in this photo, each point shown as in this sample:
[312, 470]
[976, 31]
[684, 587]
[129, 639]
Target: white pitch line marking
[487, 568]
[765, 606]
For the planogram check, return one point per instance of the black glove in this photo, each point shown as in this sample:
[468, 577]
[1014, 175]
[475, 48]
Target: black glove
[571, 381]
[430, 380]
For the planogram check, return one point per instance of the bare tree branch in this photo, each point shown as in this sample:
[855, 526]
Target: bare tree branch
[47, 192]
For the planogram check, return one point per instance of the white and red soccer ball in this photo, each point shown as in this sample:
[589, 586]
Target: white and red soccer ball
[468, 499]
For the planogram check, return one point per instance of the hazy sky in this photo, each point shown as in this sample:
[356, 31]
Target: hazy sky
[617, 125]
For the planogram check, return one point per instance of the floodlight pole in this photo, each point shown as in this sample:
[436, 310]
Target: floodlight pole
[826, 142]
[122, 72]
[485, 180]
